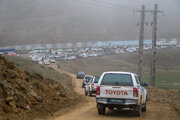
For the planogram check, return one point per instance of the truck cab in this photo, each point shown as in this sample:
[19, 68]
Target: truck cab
[120, 90]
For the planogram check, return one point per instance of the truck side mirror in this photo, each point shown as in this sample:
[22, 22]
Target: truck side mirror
[144, 84]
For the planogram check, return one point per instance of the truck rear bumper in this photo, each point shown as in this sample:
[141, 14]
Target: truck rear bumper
[124, 102]
[93, 91]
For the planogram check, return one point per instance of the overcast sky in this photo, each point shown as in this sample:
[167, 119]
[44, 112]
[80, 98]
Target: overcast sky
[51, 21]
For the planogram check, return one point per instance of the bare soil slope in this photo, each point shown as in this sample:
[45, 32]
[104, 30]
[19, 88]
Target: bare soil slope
[26, 96]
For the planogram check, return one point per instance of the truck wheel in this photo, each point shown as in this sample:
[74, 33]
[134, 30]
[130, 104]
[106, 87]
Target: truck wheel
[138, 111]
[144, 108]
[90, 93]
[111, 108]
[86, 93]
[101, 109]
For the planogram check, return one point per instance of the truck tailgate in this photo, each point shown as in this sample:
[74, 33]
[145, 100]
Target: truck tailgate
[116, 91]
[95, 85]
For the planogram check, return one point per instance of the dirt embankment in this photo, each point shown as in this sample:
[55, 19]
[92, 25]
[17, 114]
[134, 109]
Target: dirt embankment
[26, 96]
[167, 98]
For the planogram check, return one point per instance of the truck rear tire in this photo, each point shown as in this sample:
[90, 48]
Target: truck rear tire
[90, 93]
[111, 108]
[139, 110]
[82, 85]
[144, 108]
[101, 109]
[86, 93]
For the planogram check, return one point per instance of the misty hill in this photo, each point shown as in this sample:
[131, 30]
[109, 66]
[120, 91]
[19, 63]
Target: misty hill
[51, 21]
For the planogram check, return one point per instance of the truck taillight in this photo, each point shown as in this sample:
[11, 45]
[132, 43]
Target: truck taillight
[135, 92]
[98, 90]
[92, 85]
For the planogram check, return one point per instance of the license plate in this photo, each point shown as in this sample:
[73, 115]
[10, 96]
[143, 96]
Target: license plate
[115, 101]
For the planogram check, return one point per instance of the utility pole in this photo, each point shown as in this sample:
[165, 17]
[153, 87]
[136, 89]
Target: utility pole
[141, 39]
[154, 37]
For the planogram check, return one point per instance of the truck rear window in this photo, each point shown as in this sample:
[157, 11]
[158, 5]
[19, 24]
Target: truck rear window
[96, 80]
[117, 79]
[81, 73]
[87, 78]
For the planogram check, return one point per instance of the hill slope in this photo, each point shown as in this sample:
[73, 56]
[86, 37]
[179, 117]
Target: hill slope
[27, 96]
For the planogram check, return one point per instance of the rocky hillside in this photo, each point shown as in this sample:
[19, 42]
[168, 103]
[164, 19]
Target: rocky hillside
[28, 96]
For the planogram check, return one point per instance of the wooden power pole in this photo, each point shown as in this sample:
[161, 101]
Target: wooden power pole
[141, 39]
[154, 37]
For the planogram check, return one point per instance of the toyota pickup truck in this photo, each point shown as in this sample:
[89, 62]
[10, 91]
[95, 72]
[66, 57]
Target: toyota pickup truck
[91, 87]
[120, 90]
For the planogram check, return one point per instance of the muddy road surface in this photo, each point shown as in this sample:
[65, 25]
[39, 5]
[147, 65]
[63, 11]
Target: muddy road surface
[88, 111]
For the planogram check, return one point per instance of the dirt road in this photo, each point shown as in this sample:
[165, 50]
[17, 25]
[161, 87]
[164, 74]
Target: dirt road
[88, 111]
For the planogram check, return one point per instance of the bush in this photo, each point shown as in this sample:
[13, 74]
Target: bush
[10, 65]
[37, 75]
[26, 91]
[37, 84]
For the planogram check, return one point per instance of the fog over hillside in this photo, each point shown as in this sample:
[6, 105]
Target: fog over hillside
[51, 21]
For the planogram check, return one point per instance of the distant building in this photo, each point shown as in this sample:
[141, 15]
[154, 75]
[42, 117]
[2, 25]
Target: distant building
[7, 50]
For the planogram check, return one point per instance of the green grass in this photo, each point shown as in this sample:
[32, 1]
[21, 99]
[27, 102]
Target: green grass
[168, 80]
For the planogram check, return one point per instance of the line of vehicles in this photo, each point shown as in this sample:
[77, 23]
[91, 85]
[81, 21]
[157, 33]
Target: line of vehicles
[42, 59]
[116, 90]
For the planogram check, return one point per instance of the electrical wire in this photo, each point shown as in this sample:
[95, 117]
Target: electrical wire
[108, 4]
[113, 4]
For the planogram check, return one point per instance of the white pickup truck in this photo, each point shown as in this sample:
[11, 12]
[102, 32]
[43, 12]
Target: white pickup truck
[91, 86]
[120, 90]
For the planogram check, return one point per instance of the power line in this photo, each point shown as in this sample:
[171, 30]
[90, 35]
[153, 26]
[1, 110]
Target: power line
[113, 4]
[109, 5]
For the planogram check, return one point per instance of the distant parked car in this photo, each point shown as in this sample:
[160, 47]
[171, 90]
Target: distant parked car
[40, 62]
[46, 62]
[53, 60]
[80, 75]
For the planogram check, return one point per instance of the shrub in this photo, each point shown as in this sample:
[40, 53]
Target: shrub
[26, 91]
[37, 85]
[37, 75]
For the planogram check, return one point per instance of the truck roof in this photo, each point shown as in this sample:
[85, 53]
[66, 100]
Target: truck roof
[120, 72]
[88, 76]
